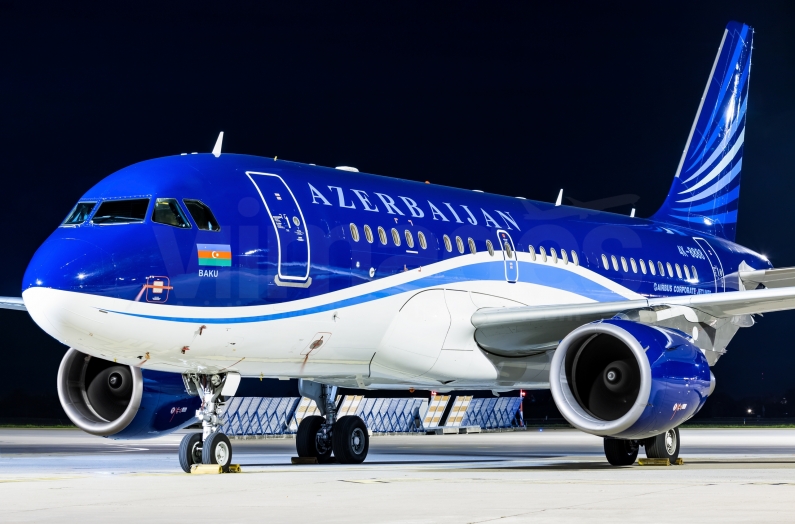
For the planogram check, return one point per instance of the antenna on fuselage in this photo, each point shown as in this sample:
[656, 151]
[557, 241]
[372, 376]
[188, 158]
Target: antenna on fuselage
[560, 198]
[218, 144]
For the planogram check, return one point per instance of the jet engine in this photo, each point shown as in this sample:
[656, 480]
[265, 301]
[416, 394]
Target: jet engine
[618, 378]
[122, 402]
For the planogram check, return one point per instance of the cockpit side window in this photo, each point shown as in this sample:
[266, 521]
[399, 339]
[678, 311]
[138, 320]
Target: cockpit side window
[121, 211]
[202, 215]
[167, 211]
[79, 214]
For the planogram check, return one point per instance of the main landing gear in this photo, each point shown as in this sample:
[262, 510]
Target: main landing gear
[621, 452]
[321, 436]
[210, 446]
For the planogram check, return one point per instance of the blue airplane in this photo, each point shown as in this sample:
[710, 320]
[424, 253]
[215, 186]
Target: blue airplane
[173, 278]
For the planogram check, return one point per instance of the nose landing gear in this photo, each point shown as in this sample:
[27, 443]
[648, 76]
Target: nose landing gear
[320, 436]
[210, 446]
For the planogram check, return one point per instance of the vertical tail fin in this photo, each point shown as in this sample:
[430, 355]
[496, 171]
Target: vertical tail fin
[706, 189]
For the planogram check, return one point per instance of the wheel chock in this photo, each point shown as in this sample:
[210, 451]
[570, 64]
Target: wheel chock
[213, 469]
[654, 462]
[679, 462]
[304, 460]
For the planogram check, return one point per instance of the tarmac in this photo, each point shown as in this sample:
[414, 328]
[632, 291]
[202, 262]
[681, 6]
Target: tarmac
[559, 475]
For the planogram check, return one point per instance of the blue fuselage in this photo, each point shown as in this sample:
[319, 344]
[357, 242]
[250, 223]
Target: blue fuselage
[291, 231]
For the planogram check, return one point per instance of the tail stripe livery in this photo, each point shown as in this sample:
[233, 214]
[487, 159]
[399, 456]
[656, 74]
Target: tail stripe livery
[706, 189]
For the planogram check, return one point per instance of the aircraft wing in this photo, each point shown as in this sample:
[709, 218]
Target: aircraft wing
[770, 278]
[12, 303]
[526, 330]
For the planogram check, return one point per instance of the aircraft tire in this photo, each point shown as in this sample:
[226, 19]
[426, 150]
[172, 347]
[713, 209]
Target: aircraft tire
[620, 452]
[217, 450]
[306, 439]
[350, 440]
[190, 451]
[665, 445]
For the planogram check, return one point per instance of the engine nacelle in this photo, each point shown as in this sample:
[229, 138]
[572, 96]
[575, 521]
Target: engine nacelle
[618, 378]
[122, 402]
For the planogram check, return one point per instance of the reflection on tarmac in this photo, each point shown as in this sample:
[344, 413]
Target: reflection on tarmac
[556, 475]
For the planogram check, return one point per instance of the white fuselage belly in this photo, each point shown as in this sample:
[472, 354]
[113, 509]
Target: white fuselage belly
[360, 336]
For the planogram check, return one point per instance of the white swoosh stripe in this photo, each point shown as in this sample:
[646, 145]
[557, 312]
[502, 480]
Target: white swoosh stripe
[720, 184]
[717, 152]
[721, 165]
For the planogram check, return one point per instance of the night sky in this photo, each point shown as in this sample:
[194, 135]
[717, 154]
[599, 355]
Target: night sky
[512, 98]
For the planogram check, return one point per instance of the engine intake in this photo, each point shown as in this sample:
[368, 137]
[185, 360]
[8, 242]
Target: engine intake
[625, 379]
[112, 400]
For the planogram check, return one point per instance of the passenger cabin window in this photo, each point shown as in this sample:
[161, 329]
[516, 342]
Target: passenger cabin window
[382, 235]
[472, 248]
[687, 271]
[574, 258]
[661, 268]
[678, 271]
[543, 254]
[624, 264]
[368, 233]
[121, 211]
[79, 214]
[204, 218]
[395, 236]
[167, 211]
[670, 270]
[615, 262]
[423, 242]
[447, 245]
[604, 262]
[409, 238]
[643, 266]
[508, 250]
[651, 268]
[554, 255]
[354, 233]
[489, 246]
[459, 244]
[694, 273]
[532, 251]
[634, 266]
[564, 256]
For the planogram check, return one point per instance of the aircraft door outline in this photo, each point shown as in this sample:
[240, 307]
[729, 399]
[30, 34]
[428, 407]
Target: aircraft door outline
[509, 256]
[290, 226]
[712, 257]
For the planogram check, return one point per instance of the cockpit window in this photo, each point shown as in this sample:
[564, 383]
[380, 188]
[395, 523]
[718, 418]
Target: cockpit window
[79, 214]
[202, 215]
[167, 211]
[121, 211]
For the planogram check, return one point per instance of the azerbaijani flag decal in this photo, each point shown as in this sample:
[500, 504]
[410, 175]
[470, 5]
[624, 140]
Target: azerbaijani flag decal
[215, 254]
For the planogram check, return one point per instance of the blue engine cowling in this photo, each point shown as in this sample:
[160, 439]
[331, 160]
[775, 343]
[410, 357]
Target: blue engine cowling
[618, 378]
[123, 402]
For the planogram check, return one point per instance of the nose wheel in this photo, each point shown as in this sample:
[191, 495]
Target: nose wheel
[190, 451]
[217, 450]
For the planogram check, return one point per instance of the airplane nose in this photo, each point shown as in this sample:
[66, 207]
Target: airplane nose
[70, 264]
